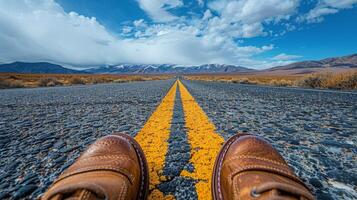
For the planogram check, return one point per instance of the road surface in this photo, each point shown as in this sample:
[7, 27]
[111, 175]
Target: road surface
[181, 127]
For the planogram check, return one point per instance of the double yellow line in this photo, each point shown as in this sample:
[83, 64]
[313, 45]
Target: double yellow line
[204, 141]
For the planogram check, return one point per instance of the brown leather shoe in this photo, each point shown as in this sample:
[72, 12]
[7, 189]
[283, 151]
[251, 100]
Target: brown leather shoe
[112, 168]
[248, 167]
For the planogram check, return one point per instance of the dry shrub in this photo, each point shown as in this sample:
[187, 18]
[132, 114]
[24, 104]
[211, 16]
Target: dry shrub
[100, 80]
[155, 78]
[331, 81]
[241, 81]
[119, 81]
[311, 82]
[13, 77]
[8, 83]
[245, 81]
[349, 82]
[137, 78]
[77, 81]
[281, 83]
[49, 82]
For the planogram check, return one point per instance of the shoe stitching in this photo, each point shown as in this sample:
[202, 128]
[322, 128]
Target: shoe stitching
[236, 190]
[85, 195]
[108, 167]
[141, 164]
[123, 188]
[113, 165]
[220, 165]
[258, 158]
[106, 142]
[260, 166]
[121, 158]
[142, 175]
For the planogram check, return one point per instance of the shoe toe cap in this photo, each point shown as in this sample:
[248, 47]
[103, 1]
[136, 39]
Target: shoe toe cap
[255, 147]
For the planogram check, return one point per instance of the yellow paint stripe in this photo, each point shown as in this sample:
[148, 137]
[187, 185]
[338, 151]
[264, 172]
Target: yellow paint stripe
[205, 143]
[153, 140]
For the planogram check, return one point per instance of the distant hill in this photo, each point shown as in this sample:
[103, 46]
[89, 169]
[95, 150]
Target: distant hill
[305, 67]
[166, 68]
[37, 68]
[336, 62]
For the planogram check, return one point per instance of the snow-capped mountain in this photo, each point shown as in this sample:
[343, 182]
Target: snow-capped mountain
[166, 68]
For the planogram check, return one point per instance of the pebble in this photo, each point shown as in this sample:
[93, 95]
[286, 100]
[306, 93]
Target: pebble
[4, 194]
[124, 128]
[315, 182]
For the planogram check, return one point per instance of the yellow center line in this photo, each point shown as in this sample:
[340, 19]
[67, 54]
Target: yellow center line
[205, 143]
[153, 140]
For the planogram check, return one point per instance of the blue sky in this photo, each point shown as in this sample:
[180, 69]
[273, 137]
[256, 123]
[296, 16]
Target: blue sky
[251, 33]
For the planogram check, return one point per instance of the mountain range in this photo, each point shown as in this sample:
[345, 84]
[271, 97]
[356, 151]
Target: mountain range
[337, 62]
[167, 69]
[345, 62]
[36, 68]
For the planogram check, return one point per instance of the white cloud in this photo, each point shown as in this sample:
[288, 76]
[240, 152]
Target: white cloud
[326, 7]
[315, 15]
[158, 9]
[207, 15]
[339, 3]
[140, 23]
[285, 57]
[42, 31]
[200, 2]
[245, 18]
[264, 64]
[252, 11]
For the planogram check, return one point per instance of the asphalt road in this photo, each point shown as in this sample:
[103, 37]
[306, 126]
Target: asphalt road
[314, 130]
[42, 131]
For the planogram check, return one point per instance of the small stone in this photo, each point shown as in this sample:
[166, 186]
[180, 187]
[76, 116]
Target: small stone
[124, 128]
[162, 178]
[315, 182]
[4, 194]
[343, 176]
[336, 144]
[323, 195]
[295, 142]
[267, 130]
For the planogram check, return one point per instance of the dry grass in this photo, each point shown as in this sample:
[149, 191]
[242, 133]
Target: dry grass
[49, 82]
[276, 80]
[11, 83]
[329, 80]
[14, 80]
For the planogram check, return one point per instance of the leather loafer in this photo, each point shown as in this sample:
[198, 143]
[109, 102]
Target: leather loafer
[248, 167]
[112, 168]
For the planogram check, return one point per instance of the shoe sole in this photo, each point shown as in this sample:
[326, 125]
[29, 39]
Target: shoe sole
[144, 187]
[216, 194]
